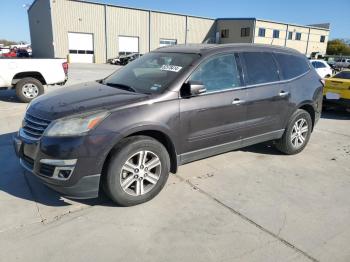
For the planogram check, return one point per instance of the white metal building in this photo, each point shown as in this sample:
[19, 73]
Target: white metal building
[93, 32]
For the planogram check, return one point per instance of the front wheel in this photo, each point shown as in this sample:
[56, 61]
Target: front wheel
[28, 88]
[138, 170]
[297, 134]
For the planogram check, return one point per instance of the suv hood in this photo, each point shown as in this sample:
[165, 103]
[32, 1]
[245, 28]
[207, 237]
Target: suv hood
[81, 98]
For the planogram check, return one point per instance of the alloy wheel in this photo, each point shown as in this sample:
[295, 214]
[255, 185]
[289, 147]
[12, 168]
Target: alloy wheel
[140, 173]
[299, 133]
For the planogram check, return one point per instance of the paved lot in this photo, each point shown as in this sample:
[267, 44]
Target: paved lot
[252, 204]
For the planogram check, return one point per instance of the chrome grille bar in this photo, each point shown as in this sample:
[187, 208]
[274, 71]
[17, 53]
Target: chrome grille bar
[34, 126]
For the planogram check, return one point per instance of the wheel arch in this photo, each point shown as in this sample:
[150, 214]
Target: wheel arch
[33, 74]
[165, 140]
[157, 134]
[308, 107]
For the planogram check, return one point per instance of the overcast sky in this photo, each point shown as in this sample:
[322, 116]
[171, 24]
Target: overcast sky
[14, 19]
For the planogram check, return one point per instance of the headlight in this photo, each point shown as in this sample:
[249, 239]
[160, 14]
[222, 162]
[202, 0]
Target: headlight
[75, 126]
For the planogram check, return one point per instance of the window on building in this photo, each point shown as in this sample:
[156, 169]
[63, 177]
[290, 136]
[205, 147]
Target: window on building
[290, 35]
[167, 42]
[291, 65]
[322, 39]
[260, 68]
[245, 31]
[225, 33]
[276, 33]
[298, 36]
[218, 73]
[262, 32]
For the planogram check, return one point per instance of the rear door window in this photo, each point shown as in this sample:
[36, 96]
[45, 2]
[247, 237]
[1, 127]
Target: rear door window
[260, 68]
[292, 65]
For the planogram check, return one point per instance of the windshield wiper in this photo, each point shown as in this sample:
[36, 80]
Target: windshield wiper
[121, 86]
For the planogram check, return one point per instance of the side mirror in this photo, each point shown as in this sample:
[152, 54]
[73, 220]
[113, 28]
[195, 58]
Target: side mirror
[197, 88]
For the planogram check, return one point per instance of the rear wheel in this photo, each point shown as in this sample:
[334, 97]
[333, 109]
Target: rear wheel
[137, 171]
[29, 88]
[297, 134]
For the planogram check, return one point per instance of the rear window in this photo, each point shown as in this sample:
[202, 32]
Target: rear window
[260, 68]
[343, 75]
[317, 64]
[291, 65]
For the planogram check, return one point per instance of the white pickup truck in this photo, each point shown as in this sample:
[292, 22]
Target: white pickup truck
[342, 63]
[28, 76]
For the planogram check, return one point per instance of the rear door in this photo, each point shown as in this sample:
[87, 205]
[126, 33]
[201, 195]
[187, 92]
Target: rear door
[267, 98]
[217, 116]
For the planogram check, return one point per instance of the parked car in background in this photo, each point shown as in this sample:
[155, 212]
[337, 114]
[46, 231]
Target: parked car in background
[342, 63]
[124, 59]
[172, 106]
[28, 76]
[322, 68]
[337, 89]
[22, 53]
[330, 61]
[4, 50]
[130, 58]
[113, 61]
[11, 53]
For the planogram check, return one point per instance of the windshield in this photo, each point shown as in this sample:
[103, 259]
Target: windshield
[151, 73]
[343, 75]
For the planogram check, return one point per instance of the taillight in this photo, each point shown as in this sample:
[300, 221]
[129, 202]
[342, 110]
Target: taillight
[65, 67]
[323, 82]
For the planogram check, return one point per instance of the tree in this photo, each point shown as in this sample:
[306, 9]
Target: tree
[7, 42]
[338, 47]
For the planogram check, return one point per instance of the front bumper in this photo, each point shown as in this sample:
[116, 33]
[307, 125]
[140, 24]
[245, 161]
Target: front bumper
[70, 166]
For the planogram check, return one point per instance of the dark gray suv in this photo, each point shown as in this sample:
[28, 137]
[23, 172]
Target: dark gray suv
[175, 105]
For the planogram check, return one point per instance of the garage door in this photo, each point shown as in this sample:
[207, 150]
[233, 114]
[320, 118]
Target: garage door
[128, 44]
[81, 48]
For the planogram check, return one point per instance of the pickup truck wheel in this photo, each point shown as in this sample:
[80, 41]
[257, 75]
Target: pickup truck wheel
[137, 171]
[28, 88]
[297, 134]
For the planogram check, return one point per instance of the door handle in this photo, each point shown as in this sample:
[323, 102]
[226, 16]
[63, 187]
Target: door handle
[237, 101]
[283, 93]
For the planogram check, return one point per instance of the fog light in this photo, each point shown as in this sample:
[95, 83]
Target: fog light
[64, 174]
[63, 168]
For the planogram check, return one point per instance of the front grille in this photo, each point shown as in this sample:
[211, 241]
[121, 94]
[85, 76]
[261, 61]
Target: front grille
[34, 127]
[29, 162]
[47, 170]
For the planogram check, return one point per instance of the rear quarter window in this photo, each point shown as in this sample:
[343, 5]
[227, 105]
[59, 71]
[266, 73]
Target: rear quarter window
[291, 65]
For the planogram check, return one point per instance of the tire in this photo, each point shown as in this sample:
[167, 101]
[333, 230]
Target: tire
[124, 168]
[294, 146]
[28, 88]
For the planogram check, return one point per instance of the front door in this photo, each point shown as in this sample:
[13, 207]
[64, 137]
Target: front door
[216, 117]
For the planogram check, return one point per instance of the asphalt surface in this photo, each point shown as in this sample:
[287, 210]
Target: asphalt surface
[252, 204]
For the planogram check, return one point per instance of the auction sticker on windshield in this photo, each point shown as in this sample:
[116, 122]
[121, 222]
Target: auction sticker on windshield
[171, 68]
